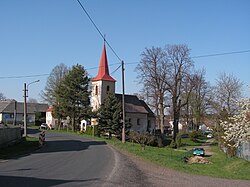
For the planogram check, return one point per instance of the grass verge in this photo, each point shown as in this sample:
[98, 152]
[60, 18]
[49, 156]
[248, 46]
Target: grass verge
[26, 146]
[221, 166]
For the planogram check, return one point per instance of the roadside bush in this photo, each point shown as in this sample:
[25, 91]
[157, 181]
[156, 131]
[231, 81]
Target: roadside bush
[89, 130]
[194, 135]
[141, 138]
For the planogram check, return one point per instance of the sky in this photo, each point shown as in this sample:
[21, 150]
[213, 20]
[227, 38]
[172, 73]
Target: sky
[35, 36]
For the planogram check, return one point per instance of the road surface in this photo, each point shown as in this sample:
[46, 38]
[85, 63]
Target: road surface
[68, 160]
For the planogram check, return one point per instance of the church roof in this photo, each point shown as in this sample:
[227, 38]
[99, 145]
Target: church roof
[103, 72]
[134, 105]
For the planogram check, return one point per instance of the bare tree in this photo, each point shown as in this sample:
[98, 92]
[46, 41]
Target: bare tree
[56, 75]
[2, 97]
[196, 107]
[152, 71]
[178, 75]
[227, 93]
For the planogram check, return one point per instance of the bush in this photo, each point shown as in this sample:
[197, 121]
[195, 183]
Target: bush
[178, 140]
[194, 135]
[172, 144]
[141, 138]
[89, 130]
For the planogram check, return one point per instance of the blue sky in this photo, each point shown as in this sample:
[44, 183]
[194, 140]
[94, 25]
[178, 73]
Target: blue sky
[35, 36]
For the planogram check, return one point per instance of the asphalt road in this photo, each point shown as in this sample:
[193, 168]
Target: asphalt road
[68, 160]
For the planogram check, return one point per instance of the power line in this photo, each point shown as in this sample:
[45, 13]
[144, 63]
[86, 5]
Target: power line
[115, 70]
[24, 76]
[45, 74]
[98, 30]
[201, 56]
[220, 54]
[209, 55]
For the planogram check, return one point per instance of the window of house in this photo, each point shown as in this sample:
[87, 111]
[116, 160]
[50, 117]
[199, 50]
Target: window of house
[107, 89]
[138, 121]
[149, 125]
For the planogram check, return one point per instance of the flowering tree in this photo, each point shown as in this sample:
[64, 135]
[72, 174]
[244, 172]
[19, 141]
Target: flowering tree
[237, 128]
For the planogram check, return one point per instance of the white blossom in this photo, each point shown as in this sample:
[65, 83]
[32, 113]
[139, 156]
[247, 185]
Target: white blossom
[237, 128]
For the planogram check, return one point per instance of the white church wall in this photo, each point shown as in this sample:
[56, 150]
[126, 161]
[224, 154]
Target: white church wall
[138, 121]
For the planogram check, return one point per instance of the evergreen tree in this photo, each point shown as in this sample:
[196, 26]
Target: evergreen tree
[110, 117]
[73, 96]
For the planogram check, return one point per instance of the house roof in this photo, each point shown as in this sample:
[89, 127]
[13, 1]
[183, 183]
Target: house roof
[103, 72]
[9, 107]
[134, 105]
[4, 104]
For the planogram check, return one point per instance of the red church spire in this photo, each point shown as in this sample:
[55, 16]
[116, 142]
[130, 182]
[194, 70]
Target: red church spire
[103, 72]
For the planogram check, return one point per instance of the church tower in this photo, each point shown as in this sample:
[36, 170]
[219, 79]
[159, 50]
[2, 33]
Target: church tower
[102, 83]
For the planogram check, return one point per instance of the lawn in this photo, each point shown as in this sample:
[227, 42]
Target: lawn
[220, 166]
[26, 146]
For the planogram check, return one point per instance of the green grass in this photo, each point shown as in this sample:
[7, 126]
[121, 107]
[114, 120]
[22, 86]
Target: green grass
[188, 142]
[26, 146]
[220, 166]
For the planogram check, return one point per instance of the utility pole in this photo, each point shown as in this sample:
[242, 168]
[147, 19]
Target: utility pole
[25, 111]
[123, 106]
[25, 106]
[14, 119]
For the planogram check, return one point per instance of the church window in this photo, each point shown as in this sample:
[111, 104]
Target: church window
[138, 121]
[107, 89]
[96, 90]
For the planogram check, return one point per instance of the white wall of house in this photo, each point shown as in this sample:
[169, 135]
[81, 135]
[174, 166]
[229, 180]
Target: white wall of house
[1, 117]
[179, 125]
[9, 118]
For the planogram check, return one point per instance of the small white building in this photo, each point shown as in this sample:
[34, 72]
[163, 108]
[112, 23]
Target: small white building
[52, 122]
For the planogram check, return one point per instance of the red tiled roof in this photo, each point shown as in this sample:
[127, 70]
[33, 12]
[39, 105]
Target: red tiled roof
[103, 72]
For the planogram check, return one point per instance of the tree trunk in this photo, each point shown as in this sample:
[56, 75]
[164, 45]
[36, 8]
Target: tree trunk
[176, 119]
[162, 116]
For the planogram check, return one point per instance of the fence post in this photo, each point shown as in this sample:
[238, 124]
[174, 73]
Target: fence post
[41, 138]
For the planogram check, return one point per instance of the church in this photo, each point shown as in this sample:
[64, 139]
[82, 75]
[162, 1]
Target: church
[137, 111]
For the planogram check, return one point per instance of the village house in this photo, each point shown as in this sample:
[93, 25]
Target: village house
[12, 112]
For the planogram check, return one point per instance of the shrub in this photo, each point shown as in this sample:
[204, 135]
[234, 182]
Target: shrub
[141, 138]
[178, 140]
[172, 144]
[194, 135]
[89, 130]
